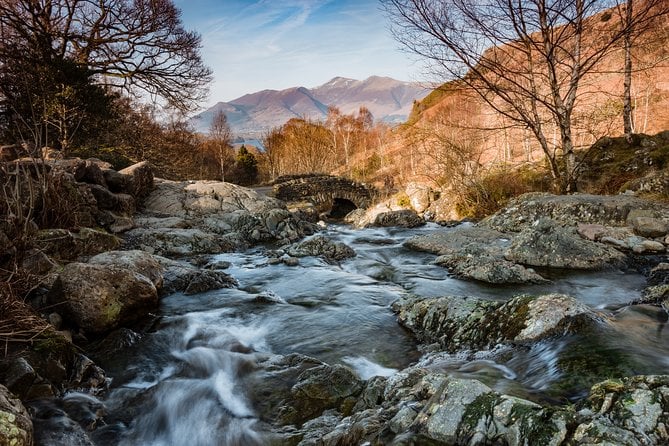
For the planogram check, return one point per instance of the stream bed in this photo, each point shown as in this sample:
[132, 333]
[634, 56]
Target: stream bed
[189, 379]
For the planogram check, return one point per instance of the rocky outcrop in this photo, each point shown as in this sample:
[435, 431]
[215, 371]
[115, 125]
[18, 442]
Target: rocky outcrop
[207, 217]
[457, 323]
[474, 253]
[16, 428]
[422, 406]
[567, 210]
[547, 244]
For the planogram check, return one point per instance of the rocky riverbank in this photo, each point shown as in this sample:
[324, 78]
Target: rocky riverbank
[98, 283]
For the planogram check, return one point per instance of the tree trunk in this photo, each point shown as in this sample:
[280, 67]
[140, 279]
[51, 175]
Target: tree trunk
[628, 119]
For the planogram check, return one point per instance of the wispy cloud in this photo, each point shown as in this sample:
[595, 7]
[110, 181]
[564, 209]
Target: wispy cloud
[253, 45]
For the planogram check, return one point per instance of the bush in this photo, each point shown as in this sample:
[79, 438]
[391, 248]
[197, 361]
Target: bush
[491, 191]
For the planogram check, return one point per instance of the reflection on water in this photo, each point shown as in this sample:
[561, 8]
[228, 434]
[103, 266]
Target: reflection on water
[184, 383]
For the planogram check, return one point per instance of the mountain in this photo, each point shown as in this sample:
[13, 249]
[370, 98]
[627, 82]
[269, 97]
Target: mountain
[388, 99]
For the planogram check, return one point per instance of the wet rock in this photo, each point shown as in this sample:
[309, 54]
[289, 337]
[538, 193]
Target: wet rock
[139, 262]
[320, 388]
[99, 298]
[16, 428]
[183, 277]
[405, 218]
[322, 246]
[207, 280]
[20, 376]
[659, 274]
[550, 245]
[458, 323]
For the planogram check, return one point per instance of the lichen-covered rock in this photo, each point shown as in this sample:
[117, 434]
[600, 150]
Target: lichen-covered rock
[63, 244]
[99, 298]
[566, 210]
[630, 411]
[177, 242]
[458, 323]
[16, 428]
[550, 245]
[134, 260]
[464, 239]
[320, 245]
[488, 269]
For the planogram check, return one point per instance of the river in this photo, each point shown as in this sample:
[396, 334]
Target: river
[186, 381]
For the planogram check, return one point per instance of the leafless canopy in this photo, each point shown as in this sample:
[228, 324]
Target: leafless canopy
[137, 45]
[524, 58]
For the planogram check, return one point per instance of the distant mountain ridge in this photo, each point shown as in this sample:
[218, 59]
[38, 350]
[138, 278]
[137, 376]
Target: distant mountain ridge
[250, 115]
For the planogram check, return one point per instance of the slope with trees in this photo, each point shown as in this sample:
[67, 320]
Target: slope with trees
[534, 67]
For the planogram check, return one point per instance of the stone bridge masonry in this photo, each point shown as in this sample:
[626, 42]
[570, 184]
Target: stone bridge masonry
[326, 192]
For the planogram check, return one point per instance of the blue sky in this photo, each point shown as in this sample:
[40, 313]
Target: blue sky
[276, 44]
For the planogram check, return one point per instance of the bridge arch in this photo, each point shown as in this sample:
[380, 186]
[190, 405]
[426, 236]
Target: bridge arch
[326, 192]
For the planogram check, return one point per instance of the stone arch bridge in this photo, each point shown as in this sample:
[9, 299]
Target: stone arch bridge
[326, 192]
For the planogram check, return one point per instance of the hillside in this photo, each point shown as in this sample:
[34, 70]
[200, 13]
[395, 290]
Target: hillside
[388, 99]
[598, 112]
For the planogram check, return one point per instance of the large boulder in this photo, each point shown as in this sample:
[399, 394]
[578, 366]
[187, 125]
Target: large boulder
[98, 298]
[459, 323]
[16, 428]
[139, 262]
[177, 242]
[404, 218]
[140, 179]
[488, 269]
[550, 245]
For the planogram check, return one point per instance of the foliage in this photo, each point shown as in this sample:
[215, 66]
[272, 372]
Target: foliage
[492, 190]
[246, 167]
[64, 65]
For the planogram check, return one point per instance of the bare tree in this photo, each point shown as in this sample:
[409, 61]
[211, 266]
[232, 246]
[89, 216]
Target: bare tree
[135, 45]
[637, 17]
[524, 59]
[221, 136]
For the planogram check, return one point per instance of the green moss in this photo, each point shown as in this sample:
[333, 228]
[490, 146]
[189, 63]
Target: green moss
[536, 426]
[482, 407]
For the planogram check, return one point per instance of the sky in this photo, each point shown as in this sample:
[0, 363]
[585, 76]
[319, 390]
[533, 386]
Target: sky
[277, 44]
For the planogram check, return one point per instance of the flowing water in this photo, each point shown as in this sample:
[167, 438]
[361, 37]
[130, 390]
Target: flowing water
[187, 381]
